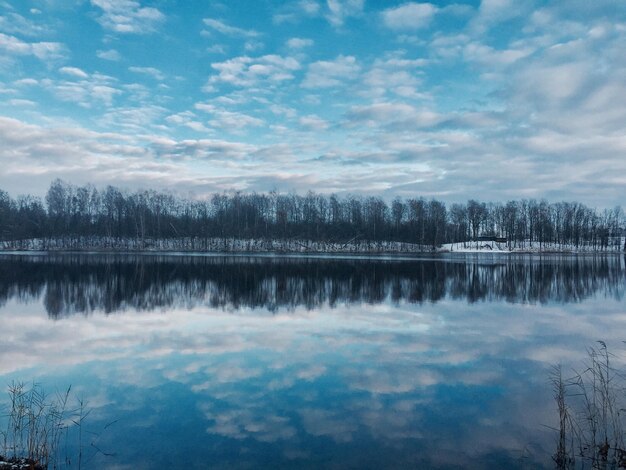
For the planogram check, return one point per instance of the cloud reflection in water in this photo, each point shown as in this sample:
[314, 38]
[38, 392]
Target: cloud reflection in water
[268, 362]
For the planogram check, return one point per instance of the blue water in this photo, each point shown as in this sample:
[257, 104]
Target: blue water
[242, 362]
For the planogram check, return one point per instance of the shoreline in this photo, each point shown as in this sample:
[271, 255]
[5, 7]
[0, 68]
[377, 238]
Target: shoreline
[291, 247]
[304, 253]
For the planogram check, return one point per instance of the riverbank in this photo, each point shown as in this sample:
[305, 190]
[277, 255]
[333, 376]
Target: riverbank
[529, 248]
[287, 246]
[18, 464]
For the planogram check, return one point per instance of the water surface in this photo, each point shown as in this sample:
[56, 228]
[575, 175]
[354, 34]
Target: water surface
[249, 362]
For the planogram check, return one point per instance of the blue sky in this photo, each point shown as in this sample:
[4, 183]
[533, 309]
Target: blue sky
[492, 99]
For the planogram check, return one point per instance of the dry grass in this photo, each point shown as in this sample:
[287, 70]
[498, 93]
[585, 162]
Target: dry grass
[35, 423]
[591, 414]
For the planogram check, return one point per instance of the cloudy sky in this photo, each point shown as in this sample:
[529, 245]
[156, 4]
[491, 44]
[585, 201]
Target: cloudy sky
[491, 99]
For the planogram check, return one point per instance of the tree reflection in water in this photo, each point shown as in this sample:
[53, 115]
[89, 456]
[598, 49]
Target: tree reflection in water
[81, 283]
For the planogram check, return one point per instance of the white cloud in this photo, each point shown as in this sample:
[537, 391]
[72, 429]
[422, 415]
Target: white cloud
[248, 71]
[228, 120]
[325, 74]
[216, 49]
[151, 71]
[292, 12]
[309, 7]
[26, 81]
[96, 89]
[204, 149]
[128, 16]
[397, 76]
[110, 54]
[14, 23]
[313, 122]
[492, 57]
[339, 10]
[139, 119]
[136, 159]
[189, 120]
[299, 43]
[48, 50]
[229, 30]
[38, 152]
[74, 72]
[395, 114]
[251, 46]
[282, 110]
[494, 11]
[20, 102]
[41, 50]
[409, 16]
[544, 93]
[380, 81]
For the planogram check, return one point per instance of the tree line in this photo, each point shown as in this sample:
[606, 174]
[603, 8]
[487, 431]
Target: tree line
[70, 211]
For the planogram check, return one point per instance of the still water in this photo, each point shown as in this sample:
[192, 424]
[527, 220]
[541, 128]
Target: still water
[286, 362]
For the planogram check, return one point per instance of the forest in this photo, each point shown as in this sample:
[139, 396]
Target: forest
[72, 216]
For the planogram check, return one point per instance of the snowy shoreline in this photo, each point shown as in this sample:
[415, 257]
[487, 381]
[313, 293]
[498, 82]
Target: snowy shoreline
[282, 247]
[536, 248]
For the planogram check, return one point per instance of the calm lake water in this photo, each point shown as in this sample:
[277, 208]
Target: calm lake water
[262, 362]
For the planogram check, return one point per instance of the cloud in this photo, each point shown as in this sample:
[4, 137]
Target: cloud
[299, 43]
[395, 76]
[325, 74]
[204, 149]
[86, 91]
[282, 110]
[216, 49]
[409, 16]
[41, 50]
[335, 11]
[247, 71]
[20, 102]
[339, 10]
[538, 94]
[313, 122]
[492, 12]
[489, 56]
[110, 54]
[398, 116]
[128, 16]
[135, 159]
[292, 12]
[41, 153]
[14, 23]
[26, 81]
[151, 71]
[74, 72]
[228, 120]
[189, 120]
[131, 119]
[228, 30]
[251, 46]
[574, 88]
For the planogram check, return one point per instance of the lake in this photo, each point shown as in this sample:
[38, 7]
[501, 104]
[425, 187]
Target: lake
[307, 362]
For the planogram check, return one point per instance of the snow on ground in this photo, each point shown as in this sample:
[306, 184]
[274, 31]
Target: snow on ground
[527, 247]
[233, 245]
[18, 464]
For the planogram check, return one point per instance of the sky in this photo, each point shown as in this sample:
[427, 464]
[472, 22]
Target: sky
[491, 99]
